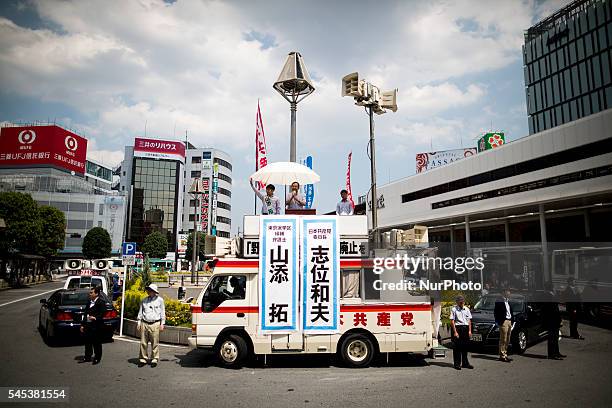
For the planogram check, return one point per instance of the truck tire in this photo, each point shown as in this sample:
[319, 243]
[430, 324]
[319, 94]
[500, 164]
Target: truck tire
[357, 351]
[232, 350]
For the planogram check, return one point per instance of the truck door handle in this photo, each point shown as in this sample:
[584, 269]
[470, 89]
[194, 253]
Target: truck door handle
[239, 314]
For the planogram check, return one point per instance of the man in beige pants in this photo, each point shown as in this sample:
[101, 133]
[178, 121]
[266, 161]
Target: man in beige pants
[151, 320]
[504, 317]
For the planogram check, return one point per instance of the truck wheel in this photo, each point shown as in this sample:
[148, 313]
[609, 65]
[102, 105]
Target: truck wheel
[232, 351]
[520, 342]
[357, 351]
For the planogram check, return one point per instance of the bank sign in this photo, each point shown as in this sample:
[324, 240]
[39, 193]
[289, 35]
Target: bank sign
[159, 149]
[37, 146]
[432, 160]
[491, 141]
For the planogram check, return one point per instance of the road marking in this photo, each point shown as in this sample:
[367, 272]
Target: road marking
[29, 297]
[138, 341]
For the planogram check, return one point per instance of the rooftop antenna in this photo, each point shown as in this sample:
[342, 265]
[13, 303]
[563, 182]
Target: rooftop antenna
[145, 128]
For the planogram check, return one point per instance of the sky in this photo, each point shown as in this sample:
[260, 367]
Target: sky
[112, 68]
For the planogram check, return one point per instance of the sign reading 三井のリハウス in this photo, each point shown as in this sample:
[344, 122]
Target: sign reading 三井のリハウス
[320, 275]
[278, 280]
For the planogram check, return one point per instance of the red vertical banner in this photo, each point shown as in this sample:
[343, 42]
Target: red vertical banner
[348, 180]
[261, 152]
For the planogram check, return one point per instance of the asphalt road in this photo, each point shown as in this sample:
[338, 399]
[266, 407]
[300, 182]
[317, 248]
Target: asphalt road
[190, 379]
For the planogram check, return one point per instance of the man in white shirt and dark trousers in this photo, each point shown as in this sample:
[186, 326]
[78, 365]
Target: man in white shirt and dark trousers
[151, 320]
[503, 318]
[461, 324]
[344, 206]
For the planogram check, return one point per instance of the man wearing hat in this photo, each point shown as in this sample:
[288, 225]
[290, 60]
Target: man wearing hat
[151, 320]
[461, 324]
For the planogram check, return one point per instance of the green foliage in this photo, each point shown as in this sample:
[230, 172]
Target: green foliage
[188, 251]
[23, 227]
[155, 245]
[97, 244]
[177, 313]
[53, 230]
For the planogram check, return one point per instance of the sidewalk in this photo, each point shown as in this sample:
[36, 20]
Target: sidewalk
[55, 278]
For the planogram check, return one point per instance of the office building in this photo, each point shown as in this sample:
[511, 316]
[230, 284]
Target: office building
[152, 175]
[49, 163]
[567, 59]
[213, 210]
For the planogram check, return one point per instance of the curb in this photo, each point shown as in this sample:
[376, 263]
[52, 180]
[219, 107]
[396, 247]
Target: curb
[172, 335]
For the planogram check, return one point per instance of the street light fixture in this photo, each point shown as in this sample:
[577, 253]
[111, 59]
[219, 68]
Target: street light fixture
[367, 95]
[195, 190]
[294, 85]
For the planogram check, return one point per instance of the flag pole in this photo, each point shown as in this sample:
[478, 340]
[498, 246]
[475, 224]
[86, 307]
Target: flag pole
[256, 124]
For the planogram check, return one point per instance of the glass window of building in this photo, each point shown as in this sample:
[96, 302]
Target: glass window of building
[154, 199]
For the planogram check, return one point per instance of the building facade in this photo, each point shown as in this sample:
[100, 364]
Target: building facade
[567, 59]
[534, 194]
[49, 163]
[212, 211]
[152, 176]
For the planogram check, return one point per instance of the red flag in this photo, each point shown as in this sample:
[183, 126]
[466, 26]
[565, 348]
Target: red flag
[261, 152]
[348, 180]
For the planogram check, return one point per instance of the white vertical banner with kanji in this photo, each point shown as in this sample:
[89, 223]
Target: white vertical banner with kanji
[320, 274]
[279, 274]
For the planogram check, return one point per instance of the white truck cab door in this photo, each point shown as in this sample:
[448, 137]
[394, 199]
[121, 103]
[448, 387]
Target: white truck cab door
[224, 304]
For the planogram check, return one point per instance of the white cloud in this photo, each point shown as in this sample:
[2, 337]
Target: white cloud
[201, 66]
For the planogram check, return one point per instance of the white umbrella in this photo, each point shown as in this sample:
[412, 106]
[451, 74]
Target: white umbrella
[285, 173]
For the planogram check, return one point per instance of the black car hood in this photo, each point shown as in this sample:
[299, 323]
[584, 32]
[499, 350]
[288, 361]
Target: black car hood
[483, 316]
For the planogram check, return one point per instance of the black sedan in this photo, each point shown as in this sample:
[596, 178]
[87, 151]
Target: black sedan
[528, 327]
[63, 312]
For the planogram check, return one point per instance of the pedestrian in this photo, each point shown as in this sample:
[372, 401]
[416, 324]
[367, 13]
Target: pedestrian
[552, 321]
[461, 324]
[270, 204]
[295, 200]
[151, 320]
[503, 319]
[92, 326]
[344, 206]
[573, 303]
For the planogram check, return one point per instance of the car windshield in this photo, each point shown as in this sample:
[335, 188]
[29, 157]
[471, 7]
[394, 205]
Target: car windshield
[487, 303]
[74, 298]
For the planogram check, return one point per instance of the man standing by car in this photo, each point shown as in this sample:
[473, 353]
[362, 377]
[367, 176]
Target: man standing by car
[552, 321]
[151, 320]
[461, 324]
[92, 326]
[573, 304]
[503, 319]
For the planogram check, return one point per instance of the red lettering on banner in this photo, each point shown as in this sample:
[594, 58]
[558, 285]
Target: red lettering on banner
[360, 318]
[407, 319]
[383, 319]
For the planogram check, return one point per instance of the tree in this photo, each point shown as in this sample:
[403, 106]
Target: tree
[21, 216]
[188, 251]
[53, 231]
[97, 244]
[155, 245]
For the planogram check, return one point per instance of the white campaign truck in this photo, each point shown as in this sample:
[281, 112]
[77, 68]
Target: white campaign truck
[227, 316]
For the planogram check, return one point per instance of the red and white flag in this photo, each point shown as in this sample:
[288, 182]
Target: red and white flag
[261, 152]
[348, 180]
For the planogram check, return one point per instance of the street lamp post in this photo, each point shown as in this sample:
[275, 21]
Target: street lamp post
[195, 190]
[294, 85]
[369, 96]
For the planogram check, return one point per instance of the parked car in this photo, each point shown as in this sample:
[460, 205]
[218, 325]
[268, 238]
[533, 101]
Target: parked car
[528, 328]
[62, 314]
